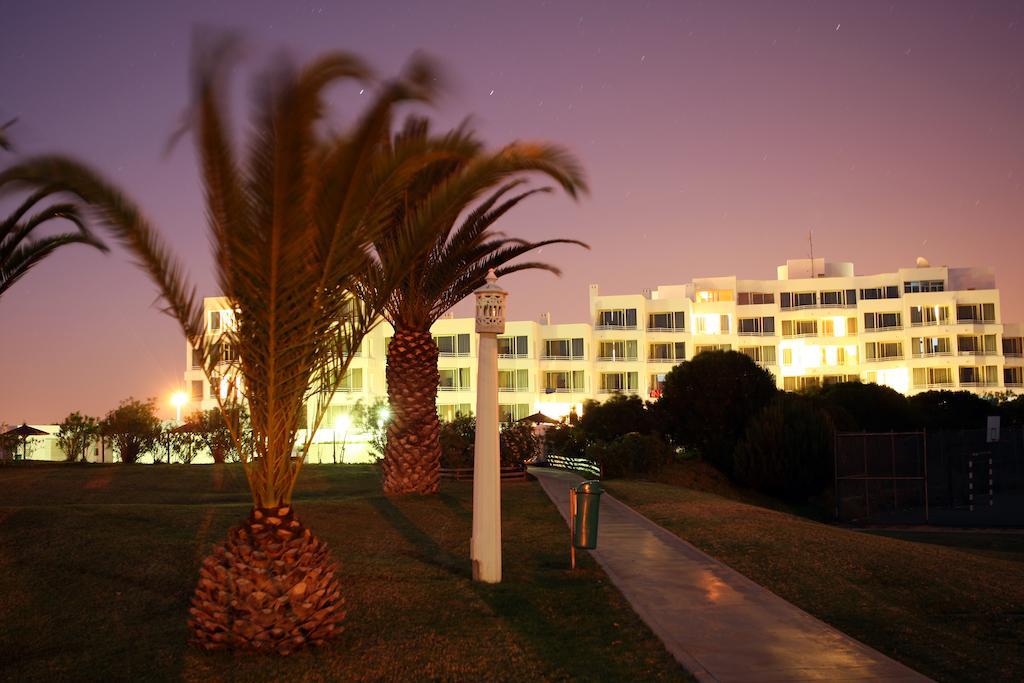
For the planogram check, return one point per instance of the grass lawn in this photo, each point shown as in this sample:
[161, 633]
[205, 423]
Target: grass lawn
[952, 613]
[97, 564]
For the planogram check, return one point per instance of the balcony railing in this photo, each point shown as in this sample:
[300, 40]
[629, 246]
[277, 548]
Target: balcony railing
[562, 390]
[512, 389]
[929, 323]
[614, 326]
[513, 355]
[1013, 383]
[453, 354]
[604, 390]
[800, 307]
[665, 329]
[1013, 354]
[930, 354]
[887, 328]
[975, 352]
[975, 321]
[979, 383]
[616, 359]
[795, 335]
[547, 357]
[665, 360]
[448, 388]
[932, 385]
[760, 333]
[824, 305]
[883, 359]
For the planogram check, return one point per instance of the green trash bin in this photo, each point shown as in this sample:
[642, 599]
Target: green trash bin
[588, 502]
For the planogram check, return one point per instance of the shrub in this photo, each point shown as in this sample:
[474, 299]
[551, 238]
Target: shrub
[518, 443]
[617, 416]
[630, 455]
[76, 430]
[707, 402]
[952, 410]
[457, 439]
[569, 442]
[786, 450]
[856, 407]
[133, 427]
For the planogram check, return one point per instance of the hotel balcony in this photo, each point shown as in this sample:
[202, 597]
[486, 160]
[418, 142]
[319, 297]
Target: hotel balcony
[890, 328]
[930, 354]
[665, 360]
[615, 326]
[617, 359]
[979, 384]
[883, 359]
[933, 385]
[665, 329]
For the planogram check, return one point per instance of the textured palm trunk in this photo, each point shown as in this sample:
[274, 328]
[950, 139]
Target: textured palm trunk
[270, 588]
[412, 456]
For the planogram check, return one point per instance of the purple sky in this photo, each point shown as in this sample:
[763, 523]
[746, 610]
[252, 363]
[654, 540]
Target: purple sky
[715, 136]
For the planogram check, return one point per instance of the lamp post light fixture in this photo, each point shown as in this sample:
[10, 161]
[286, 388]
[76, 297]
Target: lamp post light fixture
[485, 545]
[178, 400]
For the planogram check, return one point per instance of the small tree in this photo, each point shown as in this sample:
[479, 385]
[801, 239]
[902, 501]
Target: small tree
[213, 432]
[373, 419]
[133, 427]
[786, 450]
[707, 402]
[618, 416]
[75, 432]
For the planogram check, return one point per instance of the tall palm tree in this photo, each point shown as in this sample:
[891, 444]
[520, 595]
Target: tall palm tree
[20, 250]
[291, 226]
[479, 189]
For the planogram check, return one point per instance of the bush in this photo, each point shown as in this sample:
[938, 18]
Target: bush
[786, 450]
[569, 442]
[457, 440]
[518, 443]
[133, 427]
[630, 455]
[859, 407]
[618, 416]
[952, 410]
[707, 402]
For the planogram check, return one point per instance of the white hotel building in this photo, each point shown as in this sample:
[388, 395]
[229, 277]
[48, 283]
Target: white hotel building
[921, 328]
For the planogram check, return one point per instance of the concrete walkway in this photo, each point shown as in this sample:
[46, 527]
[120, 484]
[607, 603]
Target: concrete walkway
[717, 623]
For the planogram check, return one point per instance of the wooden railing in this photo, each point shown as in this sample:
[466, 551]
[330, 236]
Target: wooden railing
[581, 465]
[466, 473]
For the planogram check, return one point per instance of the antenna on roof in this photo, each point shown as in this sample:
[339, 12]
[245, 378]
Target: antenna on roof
[810, 243]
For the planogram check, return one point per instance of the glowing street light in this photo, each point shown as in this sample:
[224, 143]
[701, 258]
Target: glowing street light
[178, 400]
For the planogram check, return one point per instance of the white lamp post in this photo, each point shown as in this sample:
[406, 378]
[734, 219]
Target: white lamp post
[178, 400]
[485, 545]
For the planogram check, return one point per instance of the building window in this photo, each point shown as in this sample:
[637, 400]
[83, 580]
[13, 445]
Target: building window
[882, 321]
[620, 318]
[915, 286]
[666, 322]
[756, 326]
[1013, 377]
[564, 381]
[615, 382]
[705, 296]
[666, 351]
[454, 379]
[513, 347]
[764, 355]
[453, 344]
[450, 411]
[978, 376]
[931, 377]
[887, 292]
[1013, 346]
[751, 298]
[510, 412]
[976, 313]
[839, 298]
[711, 323]
[800, 383]
[197, 359]
[617, 350]
[197, 390]
[214, 321]
[799, 328]
[882, 351]
[701, 348]
[563, 349]
[513, 380]
[352, 380]
[929, 346]
[970, 345]
[928, 315]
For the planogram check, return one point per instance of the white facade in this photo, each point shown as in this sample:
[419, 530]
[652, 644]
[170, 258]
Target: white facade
[921, 328]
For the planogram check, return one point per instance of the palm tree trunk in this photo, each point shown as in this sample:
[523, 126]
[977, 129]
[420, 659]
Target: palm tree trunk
[271, 588]
[412, 456]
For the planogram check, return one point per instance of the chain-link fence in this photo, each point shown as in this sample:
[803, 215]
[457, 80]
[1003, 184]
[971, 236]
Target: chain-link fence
[942, 477]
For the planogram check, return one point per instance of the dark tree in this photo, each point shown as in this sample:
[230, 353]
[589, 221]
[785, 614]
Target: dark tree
[707, 402]
[939, 410]
[858, 407]
[618, 416]
[786, 450]
[133, 427]
[75, 432]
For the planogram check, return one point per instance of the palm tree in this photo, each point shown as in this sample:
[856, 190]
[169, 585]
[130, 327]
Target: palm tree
[478, 188]
[19, 250]
[291, 228]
